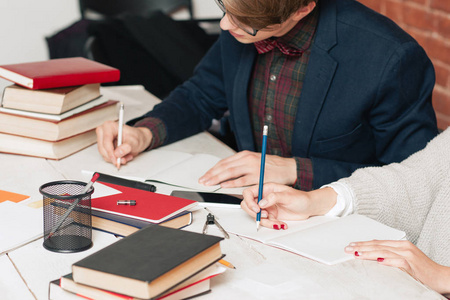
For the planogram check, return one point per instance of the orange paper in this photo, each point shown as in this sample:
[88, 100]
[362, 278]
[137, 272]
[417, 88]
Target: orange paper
[14, 197]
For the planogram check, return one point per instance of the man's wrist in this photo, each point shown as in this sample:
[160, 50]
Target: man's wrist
[146, 139]
[304, 169]
[157, 129]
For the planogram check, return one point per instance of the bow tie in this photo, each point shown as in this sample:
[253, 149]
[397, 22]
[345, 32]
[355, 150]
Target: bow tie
[268, 45]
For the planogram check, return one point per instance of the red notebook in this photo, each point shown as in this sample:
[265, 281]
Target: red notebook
[150, 206]
[59, 72]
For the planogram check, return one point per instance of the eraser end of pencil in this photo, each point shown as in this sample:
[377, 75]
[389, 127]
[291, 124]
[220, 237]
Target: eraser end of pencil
[95, 177]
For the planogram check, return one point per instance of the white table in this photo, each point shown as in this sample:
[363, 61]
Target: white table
[262, 272]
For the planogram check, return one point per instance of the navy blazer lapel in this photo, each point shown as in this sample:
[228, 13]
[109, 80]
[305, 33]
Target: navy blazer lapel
[244, 136]
[318, 78]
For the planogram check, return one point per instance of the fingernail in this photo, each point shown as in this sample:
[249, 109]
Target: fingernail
[263, 215]
[380, 259]
[255, 209]
[262, 203]
[275, 226]
[282, 226]
[348, 249]
[357, 253]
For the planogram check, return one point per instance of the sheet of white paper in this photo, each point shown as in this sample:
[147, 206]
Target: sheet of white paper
[19, 224]
[187, 172]
[12, 286]
[326, 242]
[240, 223]
[169, 167]
[39, 266]
[319, 238]
[101, 190]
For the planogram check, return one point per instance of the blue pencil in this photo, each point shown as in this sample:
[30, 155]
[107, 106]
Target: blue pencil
[261, 172]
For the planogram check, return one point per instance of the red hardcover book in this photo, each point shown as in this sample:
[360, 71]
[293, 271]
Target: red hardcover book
[150, 206]
[59, 73]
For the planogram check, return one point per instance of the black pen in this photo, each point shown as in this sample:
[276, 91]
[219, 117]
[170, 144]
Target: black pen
[126, 182]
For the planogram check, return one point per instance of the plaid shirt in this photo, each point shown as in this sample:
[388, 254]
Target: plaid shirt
[277, 79]
[275, 90]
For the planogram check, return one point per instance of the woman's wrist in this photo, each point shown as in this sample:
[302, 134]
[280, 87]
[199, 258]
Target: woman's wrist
[322, 200]
[443, 280]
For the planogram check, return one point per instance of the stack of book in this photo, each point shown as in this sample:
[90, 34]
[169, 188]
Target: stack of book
[149, 207]
[54, 106]
[154, 263]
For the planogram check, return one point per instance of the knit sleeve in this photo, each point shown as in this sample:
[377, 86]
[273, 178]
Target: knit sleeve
[402, 194]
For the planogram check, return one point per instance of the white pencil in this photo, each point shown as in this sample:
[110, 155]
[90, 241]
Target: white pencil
[120, 133]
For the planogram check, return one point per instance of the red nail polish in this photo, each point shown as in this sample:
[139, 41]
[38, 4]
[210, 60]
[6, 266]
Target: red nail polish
[380, 259]
[356, 253]
[275, 226]
[282, 226]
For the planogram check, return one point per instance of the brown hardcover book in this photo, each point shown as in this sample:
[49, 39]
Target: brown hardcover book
[39, 148]
[59, 72]
[198, 284]
[50, 101]
[125, 226]
[48, 130]
[149, 262]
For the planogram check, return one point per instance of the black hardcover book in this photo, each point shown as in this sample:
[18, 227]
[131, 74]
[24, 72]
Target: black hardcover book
[147, 263]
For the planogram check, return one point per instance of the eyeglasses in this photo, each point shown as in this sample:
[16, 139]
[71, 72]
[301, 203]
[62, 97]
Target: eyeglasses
[236, 23]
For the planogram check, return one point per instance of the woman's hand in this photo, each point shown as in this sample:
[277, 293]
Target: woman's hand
[280, 202]
[135, 140]
[242, 169]
[406, 256]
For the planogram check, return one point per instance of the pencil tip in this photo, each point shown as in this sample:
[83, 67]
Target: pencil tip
[257, 225]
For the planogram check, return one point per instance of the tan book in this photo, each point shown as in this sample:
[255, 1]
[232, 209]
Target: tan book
[57, 130]
[39, 148]
[198, 284]
[125, 226]
[51, 101]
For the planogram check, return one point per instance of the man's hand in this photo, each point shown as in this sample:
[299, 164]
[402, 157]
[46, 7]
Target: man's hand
[134, 141]
[242, 169]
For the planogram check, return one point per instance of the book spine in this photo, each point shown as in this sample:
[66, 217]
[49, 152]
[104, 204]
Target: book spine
[75, 79]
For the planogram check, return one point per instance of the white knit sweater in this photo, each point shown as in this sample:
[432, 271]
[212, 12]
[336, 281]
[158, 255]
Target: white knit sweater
[413, 196]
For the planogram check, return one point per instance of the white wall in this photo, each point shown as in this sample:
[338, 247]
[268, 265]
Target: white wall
[25, 24]
[204, 9]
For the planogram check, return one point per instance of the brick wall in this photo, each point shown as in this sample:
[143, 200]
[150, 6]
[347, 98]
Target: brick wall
[428, 21]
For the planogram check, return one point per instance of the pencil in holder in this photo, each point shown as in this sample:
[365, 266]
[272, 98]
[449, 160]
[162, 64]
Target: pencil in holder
[67, 216]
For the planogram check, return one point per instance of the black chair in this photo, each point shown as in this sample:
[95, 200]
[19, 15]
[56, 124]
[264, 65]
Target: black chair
[141, 39]
[115, 8]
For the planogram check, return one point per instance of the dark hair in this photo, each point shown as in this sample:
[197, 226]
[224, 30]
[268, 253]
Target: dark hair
[259, 14]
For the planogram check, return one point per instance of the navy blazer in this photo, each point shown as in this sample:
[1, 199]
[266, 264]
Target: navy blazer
[366, 98]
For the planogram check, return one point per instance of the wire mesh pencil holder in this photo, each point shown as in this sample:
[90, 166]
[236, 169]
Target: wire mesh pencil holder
[67, 216]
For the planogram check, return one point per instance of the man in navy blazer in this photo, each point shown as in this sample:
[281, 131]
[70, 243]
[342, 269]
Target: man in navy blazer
[365, 98]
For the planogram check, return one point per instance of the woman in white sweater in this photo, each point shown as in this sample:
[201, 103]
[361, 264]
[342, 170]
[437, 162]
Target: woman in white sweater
[413, 196]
